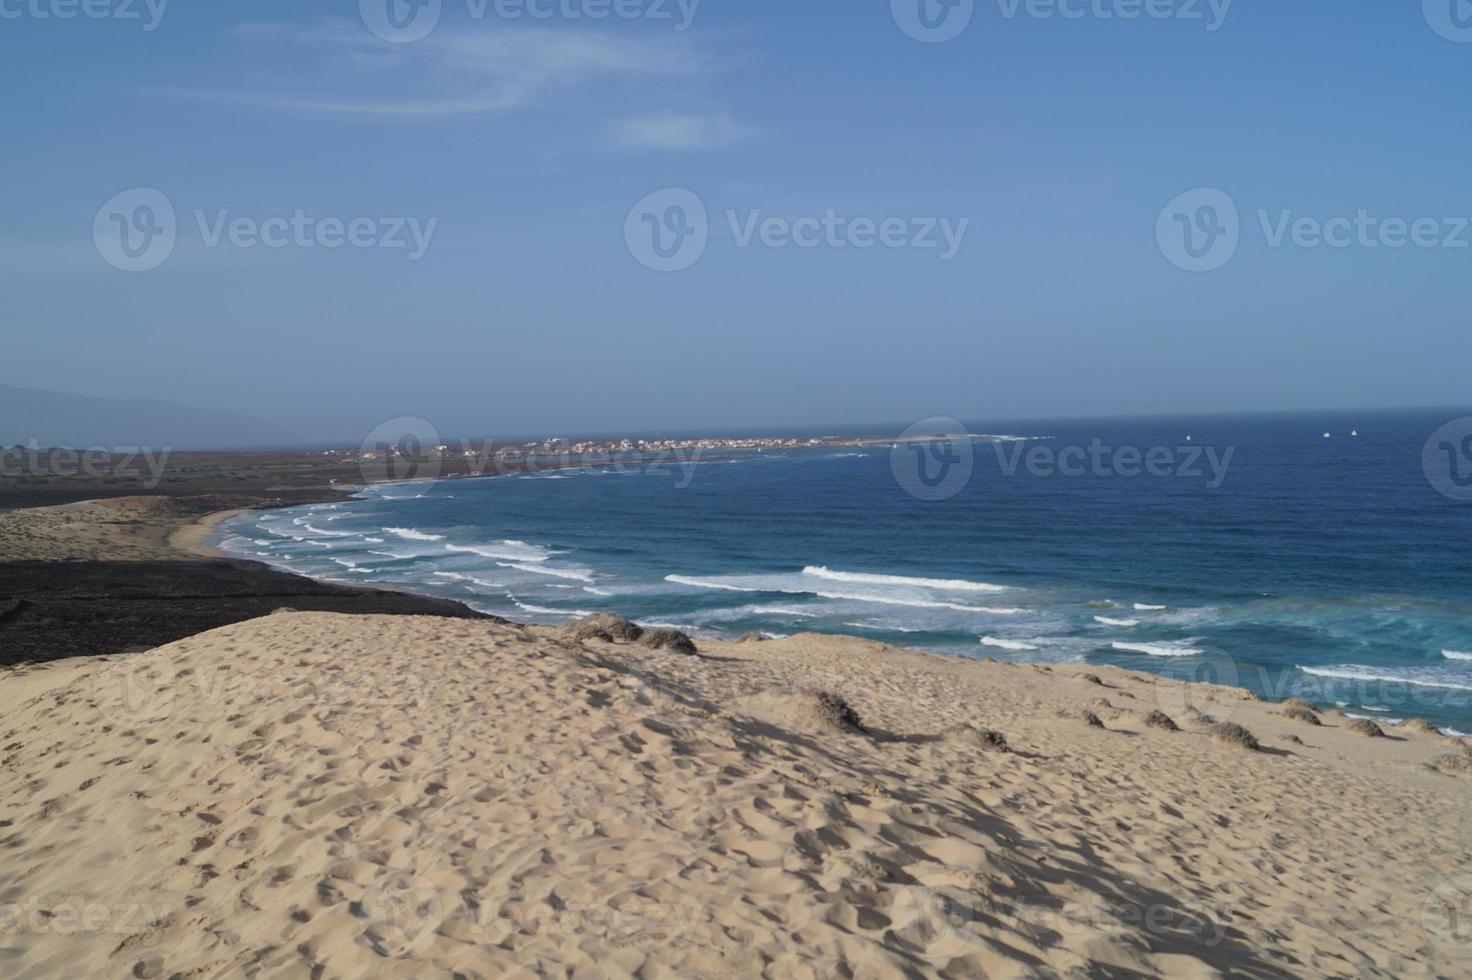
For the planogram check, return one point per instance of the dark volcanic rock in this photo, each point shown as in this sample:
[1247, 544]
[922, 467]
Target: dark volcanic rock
[50, 610]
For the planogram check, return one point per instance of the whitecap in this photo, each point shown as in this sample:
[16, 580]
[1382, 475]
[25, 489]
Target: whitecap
[1001, 644]
[865, 578]
[413, 534]
[1105, 620]
[1142, 607]
[1169, 649]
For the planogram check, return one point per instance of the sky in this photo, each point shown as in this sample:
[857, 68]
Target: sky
[1004, 212]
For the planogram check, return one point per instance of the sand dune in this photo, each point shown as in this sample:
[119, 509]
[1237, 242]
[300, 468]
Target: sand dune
[321, 795]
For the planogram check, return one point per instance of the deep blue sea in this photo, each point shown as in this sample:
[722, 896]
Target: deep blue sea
[1303, 555]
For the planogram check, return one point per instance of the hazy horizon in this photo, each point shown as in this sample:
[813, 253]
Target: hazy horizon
[507, 177]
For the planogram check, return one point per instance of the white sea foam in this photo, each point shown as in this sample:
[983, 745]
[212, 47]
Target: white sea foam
[1141, 607]
[889, 627]
[576, 574]
[1356, 673]
[544, 611]
[1105, 620]
[593, 591]
[412, 534]
[1456, 734]
[1001, 644]
[779, 583]
[506, 550]
[1169, 649]
[865, 578]
[1456, 655]
[1388, 721]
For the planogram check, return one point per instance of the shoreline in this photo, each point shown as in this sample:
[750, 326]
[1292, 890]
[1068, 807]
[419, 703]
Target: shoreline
[412, 795]
[197, 534]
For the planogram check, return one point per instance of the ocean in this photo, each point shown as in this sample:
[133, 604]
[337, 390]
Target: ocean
[1314, 555]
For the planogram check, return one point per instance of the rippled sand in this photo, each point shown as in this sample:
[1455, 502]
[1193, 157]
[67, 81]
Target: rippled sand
[333, 796]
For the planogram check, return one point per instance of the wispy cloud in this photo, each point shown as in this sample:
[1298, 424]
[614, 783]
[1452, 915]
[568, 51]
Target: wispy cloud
[448, 74]
[679, 131]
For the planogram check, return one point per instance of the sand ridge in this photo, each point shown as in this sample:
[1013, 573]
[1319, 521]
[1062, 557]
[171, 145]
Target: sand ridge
[320, 795]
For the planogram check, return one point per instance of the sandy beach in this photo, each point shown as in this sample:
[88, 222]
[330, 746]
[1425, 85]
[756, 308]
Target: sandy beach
[319, 795]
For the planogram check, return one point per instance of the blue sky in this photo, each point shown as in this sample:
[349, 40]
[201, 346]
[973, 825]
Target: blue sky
[1058, 141]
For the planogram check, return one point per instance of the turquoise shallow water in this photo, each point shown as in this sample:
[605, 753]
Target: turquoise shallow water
[1282, 561]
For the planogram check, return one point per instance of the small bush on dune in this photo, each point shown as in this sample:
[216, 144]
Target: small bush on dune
[1092, 679]
[604, 626]
[1161, 720]
[985, 737]
[1292, 739]
[1452, 764]
[837, 711]
[672, 640]
[1229, 733]
[1419, 725]
[1367, 728]
[752, 638]
[1302, 714]
[1300, 703]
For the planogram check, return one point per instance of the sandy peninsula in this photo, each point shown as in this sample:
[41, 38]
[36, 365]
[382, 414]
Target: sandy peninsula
[320, 795]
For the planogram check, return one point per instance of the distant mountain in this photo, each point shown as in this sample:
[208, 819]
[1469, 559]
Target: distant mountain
[52, 418]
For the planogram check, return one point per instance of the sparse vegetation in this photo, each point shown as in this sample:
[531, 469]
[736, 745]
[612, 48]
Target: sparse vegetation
[993, 741]
[1230, 733]
[1366, 727]
[1161, 720]
[1302, 714]
[672, 640]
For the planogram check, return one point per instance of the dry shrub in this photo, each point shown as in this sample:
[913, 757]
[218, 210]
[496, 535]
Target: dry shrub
[1300, 703]
[1230, 733]
[672, 640]
[1452, 764]
[1418, 725]
[1302, 714]
[752, 638]
[1161, 720]
[985, 737]
[1092, 679]
[1366, 727]
[604, 626]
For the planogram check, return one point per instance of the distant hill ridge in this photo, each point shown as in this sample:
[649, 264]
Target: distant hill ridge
[50, 418]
